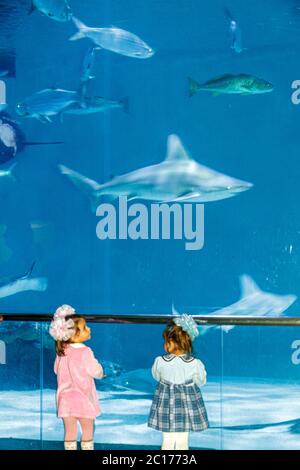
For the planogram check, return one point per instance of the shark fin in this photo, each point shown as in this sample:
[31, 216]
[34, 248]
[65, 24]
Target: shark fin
[248, 286]
[227, 328]
[29, 272]
[175, 149]
[174, 311]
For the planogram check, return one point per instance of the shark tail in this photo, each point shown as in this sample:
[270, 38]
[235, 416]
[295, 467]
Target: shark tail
[82, 29]
[88, 186]
[193, 87]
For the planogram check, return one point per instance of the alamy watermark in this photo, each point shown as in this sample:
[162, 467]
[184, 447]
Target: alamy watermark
[295, 97]
[160, 221]
[295, 358]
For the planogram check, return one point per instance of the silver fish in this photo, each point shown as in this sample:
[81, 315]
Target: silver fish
[24, 283]
[178, 178]
[88, 64]
[114, 39]
[96, 104]
[46, 103]
[58, 10]
[235, 33]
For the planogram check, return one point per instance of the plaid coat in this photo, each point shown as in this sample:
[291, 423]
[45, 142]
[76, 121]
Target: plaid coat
[178, 408]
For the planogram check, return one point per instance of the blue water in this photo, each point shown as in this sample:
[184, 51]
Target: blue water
[253, 138]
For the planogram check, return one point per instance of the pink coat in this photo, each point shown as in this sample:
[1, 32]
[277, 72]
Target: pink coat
[76, 392]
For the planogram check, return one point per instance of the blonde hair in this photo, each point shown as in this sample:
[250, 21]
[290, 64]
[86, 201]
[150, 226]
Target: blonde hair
[176, 334]
[61, 345]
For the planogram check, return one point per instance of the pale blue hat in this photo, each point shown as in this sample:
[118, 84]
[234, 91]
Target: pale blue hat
[188, 325]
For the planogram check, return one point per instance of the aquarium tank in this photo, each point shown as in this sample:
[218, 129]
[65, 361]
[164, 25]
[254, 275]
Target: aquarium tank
[149, 166]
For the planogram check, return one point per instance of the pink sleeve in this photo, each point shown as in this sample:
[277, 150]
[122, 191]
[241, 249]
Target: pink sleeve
[93, 367]
[56, 365]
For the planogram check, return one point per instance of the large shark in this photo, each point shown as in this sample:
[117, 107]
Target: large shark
[24, 283]
[253, 302]
[178, 178]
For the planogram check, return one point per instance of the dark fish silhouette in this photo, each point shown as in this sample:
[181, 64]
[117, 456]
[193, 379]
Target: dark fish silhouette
[13, 139]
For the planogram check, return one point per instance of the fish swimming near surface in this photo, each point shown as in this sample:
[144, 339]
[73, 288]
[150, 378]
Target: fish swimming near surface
[253, 302]
[97, 104]
[114, 39]
[241, 84]
[13, 139]
[22, 284]
[235, 33]
[58, 10]
[178, 178]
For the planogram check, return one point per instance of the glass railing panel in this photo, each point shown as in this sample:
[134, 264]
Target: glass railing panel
[260, 391]
[20, 385]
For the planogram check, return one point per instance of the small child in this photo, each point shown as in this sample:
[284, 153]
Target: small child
[177, 406]
[76, 368]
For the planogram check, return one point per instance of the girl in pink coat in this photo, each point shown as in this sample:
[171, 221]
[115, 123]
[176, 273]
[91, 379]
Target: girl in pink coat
[76, 368]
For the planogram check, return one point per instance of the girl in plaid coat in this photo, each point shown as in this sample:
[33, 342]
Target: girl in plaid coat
[178, 407]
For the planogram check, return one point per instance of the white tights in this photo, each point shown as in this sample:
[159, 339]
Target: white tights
[175, 441]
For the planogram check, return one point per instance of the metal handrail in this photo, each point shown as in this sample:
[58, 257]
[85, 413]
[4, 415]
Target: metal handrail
[204, 320]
